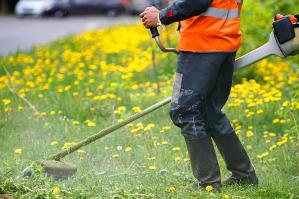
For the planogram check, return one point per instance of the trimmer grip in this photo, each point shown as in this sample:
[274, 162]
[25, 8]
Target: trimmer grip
[155, 32]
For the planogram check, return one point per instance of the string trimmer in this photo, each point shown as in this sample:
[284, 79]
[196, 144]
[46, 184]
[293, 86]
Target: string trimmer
[283, 42]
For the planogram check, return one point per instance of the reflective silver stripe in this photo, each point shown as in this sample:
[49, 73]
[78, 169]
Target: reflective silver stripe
[240, 1]
[221, 13]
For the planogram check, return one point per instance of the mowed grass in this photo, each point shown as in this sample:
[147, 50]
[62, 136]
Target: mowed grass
[86, 82]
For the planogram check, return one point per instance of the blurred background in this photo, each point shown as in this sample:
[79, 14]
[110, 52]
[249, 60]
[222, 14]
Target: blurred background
[62, 8]
[26, 23]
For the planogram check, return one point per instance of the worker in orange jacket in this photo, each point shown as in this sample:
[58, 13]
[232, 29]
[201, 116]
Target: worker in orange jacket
[209, 38]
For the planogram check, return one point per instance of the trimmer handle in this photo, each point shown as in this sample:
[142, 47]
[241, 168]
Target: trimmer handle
[155, 35]
[155, 32]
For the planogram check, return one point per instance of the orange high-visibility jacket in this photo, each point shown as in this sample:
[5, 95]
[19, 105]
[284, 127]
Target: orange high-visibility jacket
[215, 30]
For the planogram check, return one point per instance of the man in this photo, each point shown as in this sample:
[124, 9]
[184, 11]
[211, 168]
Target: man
[209, 38]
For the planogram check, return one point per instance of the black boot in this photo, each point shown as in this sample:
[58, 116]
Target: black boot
[204, 163]
[236, 159]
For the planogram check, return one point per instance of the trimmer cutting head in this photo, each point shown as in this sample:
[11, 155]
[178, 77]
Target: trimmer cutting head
[57, 169]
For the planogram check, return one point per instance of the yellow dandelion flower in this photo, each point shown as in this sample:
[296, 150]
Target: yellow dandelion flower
[259, 111]
[209, 188]
[249, 134]
[178, 159]
[271, 148]
[248, 147]
[282, 121]
[151, 158]
[67, 145]
[120, 120]
[91, 124]
[152, 168]
[18, 151]
[75, 122]
[20, 108]
[54, 143]
[164, 142]
[136, 109]
[6, 101]
[176, 149]
[52, 112]
[272, 134]
[57, 190]
[171, 190]
[226, 196]
[75, 93]
[115, 155]
[263, 155]
[128, 149]
[275, 121]
[89, 94]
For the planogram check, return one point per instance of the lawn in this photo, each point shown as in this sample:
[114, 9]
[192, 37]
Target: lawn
[80, 84]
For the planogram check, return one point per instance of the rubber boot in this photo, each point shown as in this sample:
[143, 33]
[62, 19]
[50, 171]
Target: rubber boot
[236, 159]
[204, 163]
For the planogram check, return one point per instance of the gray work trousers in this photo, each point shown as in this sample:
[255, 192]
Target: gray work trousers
[201, 88]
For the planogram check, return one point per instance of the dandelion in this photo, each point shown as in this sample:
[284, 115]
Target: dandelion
[128, 149]
[75, 93]
[52, 112]
[164, 142]
[263, 155]
[259, 111]
[67, 145]
[75, 122]
[151, 158]
[209, 188]
[136, 109]
[271, 148]
[248, 147]
[89, 94]
[115, 155]
[275, 121]
[54, 143]
[171, 190]
[152, 168]
[6, 101]
[91, 124]
[57, 190]
[20, 108]
[18, 151]
[176, 149]
[120, 120]
[149, 127]
[249, 134]
[272, 134]
[226, 196]
[178, 159]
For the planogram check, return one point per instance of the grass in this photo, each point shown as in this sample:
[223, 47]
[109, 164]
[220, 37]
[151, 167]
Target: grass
[86, 82]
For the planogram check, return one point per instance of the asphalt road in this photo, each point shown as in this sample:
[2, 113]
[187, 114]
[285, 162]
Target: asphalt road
[22, 34]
